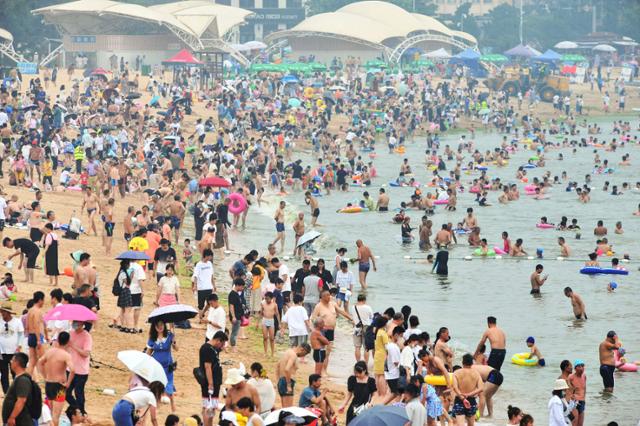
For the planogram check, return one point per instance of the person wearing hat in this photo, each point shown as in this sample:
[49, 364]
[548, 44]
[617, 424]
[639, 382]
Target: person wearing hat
[607, 359]
[535, 352]
[238, 389]
[11, 336]
[578, 383]
[559, 409]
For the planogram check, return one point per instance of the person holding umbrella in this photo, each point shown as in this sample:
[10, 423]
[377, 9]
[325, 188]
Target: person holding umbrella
[161, 342]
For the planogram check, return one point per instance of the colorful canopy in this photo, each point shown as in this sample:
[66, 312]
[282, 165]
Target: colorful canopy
[522, 50]
[183, 57]
[548, 56]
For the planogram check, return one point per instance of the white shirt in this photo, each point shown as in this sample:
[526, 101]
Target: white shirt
[393, 362]
[282, 271]
[556, 412]
[216, 316]
[416, 412]
[409, 331]
[406, 359]
[45, 416]
[141, 398]
[265, 391]
[365, 312]
[295, 318]
[345, 281]
[137, 274]
[11, 336]
[170, 285]
[202, 274]
[3, 205]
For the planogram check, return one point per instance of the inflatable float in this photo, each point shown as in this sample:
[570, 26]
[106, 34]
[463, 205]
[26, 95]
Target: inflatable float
[353, 209]
[594, 270]
[434, 380]
[524, 359]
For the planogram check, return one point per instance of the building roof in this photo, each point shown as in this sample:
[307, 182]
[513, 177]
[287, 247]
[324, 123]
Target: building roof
[195, 18]
[372, 22]
[5, 35]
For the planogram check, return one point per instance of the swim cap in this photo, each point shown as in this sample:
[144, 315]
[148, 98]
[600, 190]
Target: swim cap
[613, 285]
[578, 363]
[530, 339]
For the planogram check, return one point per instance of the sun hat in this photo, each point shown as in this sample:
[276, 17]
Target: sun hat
[234, 377]
[578, 363]
[6, 306]
[561, 384]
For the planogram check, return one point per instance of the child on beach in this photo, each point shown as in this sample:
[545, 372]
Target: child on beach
[535, 352]
[269, 312]
[318, 344]
[8, 288]
[187, 255]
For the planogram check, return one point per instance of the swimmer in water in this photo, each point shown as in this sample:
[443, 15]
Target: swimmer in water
[593, 260]
[517, 250]
[579, 309]
[537, 280]
[535, 352]
[565, 251]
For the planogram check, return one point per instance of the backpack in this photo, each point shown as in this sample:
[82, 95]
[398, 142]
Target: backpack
[34, 400]
[116, 289]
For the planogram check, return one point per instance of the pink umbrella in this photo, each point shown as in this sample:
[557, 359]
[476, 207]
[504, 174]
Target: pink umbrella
[70, 312]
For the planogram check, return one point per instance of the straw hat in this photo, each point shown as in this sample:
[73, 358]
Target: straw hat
[6, 306]
[234, 377]
[561, 384]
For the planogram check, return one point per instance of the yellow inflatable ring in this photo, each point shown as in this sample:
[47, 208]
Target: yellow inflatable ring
[434, 380]
[524, 359]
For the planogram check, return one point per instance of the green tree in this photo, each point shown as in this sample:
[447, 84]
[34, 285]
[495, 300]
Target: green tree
[500, 32]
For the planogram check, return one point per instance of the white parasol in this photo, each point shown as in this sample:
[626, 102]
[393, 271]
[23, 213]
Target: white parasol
[143, 365]
[308, 237]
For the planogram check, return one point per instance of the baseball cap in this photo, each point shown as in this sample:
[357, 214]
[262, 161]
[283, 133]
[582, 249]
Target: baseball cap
[530, 339]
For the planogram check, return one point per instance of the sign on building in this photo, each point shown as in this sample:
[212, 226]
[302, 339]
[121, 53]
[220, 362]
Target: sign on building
[28, 67]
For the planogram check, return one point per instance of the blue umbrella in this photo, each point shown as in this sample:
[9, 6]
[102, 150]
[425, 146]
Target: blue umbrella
[294, 102]
[133, 255]
[381, 415]
[290, 79]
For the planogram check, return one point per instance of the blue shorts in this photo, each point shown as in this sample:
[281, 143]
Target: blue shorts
[364, 267]
[460, 410]
[279, 227]
[342, 296]
[581, 406]
[32, 340]
[282, 387]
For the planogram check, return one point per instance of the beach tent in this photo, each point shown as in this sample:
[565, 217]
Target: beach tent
[467, 54]
[470, 59]
[548, 56]
[437, 54]
[524, 51]
[183, 57]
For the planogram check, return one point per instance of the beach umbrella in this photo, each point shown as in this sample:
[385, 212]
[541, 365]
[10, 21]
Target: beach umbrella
[566, 45]
[143, 365]
[381, 415]
[99, 71]
[437, 54]
[70, 312]
[522, 50]
[308, 237]
[604, 48]
[215, 181]
[255, 45]
[172, 313]
[294, 102]
[290, 79]
[133, 255]
[29, 107]
[274, 417]
[317, 66]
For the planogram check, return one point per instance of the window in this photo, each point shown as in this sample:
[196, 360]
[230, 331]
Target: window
[247, 4]
[270, 4]
[294, 4]
[225, 2]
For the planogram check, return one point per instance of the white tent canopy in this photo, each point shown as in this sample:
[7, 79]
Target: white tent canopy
[604, 48]
[437, 54]
[566, 45]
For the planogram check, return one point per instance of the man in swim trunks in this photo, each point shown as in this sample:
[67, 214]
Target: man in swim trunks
[578, 383]
[90, 202]
[109, 225]
[579, 309]
[36, 332]
[286, 369]
[298, 229]
[537, 280]
[313, 204]
[498, 341]
[607, 359]
[492, 379]
[365, 260]
[443, 237]
[177, 211]
[467, 384]
[328, 310]
[279, 218]
[54, 365]
[383, 201]
[318, 344]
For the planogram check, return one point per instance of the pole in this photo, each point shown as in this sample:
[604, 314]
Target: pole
[593, 18]
[521, 21]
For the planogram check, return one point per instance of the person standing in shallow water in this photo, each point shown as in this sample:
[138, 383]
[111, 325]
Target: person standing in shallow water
[498, 341]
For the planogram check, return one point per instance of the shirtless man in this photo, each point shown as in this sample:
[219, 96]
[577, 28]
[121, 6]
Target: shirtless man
[442, 350]
[37, 333]
[286, 369]
[127, 224]
[84, 274]
[109, 225]
[90, 202]
[176, 211]
[319, 344]
[470, 220]
[434, 365]
[517, 250]
[579, 309]
[600, 230]
[279, 218]
[54, 366]
[328, 310]
[492, 379]
[269, 313]
[467, 384]
[238, 388]
[498, 341]
[313, 204]
[607, 359]
[383, 201]
[537, 280]
[365, 259]
[565, 251]
[578, 383]
[443, 237]
[298, 230]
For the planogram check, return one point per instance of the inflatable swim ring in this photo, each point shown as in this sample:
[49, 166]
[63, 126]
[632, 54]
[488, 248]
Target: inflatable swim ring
[530, 188]
[399, 150]
[544, 225]
[529, 166]
[593, 270]
[478, 252]
[238, 203]
[482, 168]
[498, 250]
[434, 380]
[534, 158]
[441, 202]
[524, 359]
[353, 209]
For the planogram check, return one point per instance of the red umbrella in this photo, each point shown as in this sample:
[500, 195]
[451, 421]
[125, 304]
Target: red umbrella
[99, 71]
[215, 181]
